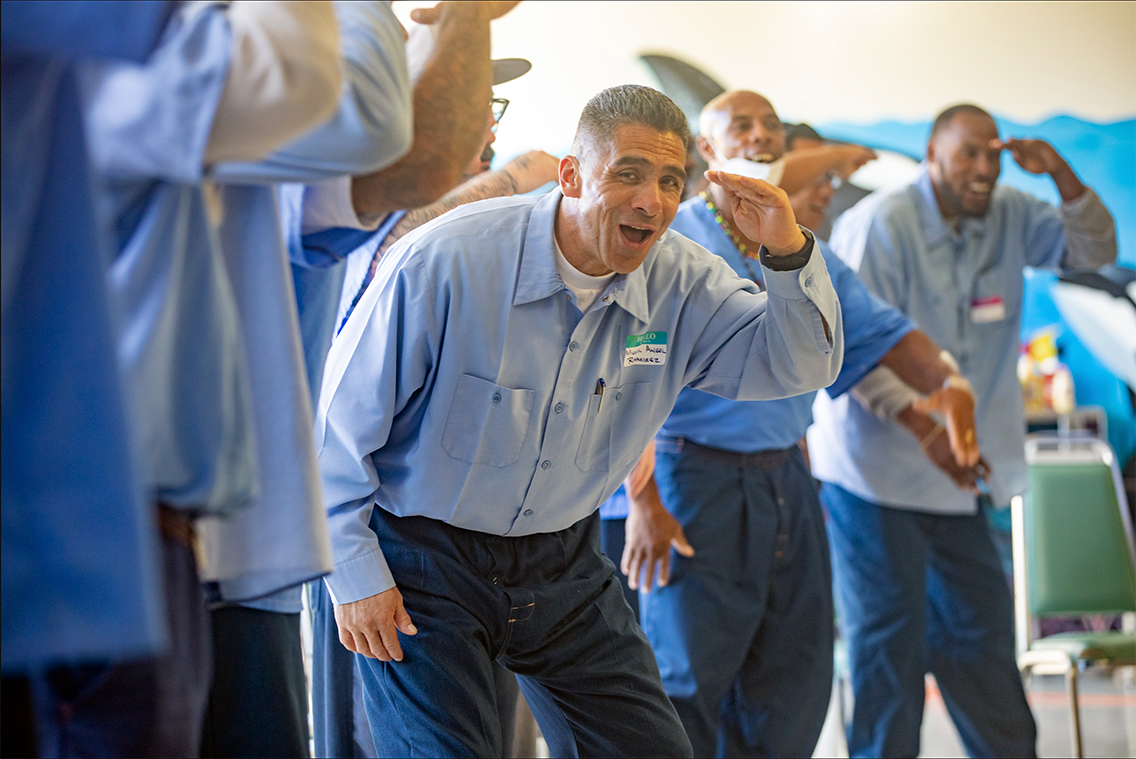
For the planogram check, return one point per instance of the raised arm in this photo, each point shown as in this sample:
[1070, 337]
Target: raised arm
[450, 100]
[1088, 227]
[521, 175]
[793, 345]
[805, 166]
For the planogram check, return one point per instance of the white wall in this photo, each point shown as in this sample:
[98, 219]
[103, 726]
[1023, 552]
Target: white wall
[825, 61]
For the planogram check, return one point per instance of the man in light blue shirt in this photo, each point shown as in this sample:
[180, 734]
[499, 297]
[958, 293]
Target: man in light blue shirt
[209, 92]
[68, 490]
[920, 584]
[472, 417]
[758, 680]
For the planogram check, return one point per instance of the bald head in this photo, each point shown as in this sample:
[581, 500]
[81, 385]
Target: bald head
[740, 124]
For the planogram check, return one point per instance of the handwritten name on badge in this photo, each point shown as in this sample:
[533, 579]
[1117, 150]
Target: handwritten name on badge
[988, 309]
[648, 348]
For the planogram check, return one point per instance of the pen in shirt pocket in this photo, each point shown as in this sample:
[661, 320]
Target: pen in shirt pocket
[600, 386]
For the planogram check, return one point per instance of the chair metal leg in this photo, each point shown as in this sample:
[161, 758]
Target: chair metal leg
[1074, 711]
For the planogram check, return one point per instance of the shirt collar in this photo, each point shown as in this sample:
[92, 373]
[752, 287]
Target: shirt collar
[538, 278]
[936, 229]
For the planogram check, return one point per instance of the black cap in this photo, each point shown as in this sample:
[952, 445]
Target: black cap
[508, 69]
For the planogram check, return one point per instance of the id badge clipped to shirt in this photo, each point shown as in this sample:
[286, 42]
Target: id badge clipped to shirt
[987, 309]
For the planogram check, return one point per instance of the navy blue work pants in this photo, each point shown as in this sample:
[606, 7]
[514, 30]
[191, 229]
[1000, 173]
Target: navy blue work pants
[258, 702]
[548, 608]
[744, 630]
[925, 593]
[613, 535]
[341, 727]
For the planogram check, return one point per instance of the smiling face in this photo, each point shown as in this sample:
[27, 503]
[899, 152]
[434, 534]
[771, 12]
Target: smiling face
[740, 124]
[619, 199]
[963, 166]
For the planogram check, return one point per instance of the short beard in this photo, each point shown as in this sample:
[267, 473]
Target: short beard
[954, 202]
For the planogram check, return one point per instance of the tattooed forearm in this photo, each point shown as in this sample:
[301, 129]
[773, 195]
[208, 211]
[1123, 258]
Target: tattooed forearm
[491, 184]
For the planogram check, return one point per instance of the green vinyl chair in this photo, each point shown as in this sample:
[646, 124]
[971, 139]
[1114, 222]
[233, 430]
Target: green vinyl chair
[1073, 555]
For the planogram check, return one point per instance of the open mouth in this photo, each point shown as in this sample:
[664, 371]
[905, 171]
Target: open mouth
[634, 235]
[762, 158]
[979, 188]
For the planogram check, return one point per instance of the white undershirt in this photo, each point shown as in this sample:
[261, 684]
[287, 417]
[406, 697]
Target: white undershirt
[586, 288]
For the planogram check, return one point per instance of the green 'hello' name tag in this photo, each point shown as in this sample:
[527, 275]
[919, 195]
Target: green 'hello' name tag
[648, 348]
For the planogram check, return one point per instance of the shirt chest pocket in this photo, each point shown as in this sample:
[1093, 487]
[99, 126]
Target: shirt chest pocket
[612, 425]
[487, 423]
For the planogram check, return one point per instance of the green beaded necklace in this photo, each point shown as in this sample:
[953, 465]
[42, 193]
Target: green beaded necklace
[734, 237]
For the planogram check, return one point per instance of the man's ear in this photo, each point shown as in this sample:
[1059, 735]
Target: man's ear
[704, 149]
[931, 150]
[569, 176]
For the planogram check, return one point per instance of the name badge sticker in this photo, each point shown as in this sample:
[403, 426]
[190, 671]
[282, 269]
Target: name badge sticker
[988, 309]
[648, 348]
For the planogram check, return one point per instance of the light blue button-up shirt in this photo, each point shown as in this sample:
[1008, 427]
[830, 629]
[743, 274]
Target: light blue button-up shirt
[468, 387]
[80, 579]
[281, 539]
[180, 344]
[964, 289]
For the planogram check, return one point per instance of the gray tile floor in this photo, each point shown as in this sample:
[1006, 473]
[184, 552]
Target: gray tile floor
[1108, 718]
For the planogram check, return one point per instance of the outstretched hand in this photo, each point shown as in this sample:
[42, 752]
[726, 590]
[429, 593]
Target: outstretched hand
[761, 212]
[370, 626]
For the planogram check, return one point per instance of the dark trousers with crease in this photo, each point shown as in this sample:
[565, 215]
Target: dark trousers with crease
[744, 629]
[548, 608]
[258, 703]
[925, 593]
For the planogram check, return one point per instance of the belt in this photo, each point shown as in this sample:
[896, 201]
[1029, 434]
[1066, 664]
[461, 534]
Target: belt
[176, 525]
[769, 459]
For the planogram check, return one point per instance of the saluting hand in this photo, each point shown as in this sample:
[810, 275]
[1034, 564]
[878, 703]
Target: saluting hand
[1035, 156]
[761, 212]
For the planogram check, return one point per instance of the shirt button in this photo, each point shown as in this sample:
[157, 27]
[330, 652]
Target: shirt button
[558, 408]
[573, 345]
[496, 397]
[808, 281]
[618, 396]
[528, 512]
[545, 464]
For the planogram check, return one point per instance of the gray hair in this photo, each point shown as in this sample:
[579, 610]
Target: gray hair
[626, 105]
